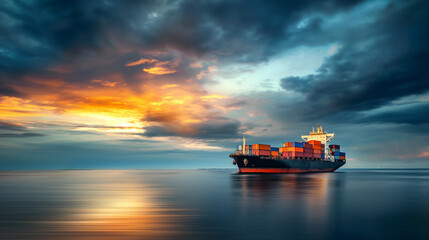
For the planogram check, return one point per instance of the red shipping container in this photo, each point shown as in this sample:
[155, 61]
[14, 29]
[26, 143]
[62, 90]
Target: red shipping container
[261, 152]
[308, 150]
[343, 157]
[317, 155]
[317, 151]
[309, 155]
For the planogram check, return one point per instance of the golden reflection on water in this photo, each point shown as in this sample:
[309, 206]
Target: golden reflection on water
[107, 205]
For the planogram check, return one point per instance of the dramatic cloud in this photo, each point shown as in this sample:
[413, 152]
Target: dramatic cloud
[133, 75]
[381, 60]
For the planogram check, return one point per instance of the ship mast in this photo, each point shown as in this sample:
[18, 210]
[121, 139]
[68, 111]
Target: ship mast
[244, 145]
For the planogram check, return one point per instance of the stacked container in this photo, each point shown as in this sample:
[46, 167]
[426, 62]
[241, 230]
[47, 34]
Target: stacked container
[261, 149]
[292, 149]
[308, 150]
[317, 148]
[335, 151]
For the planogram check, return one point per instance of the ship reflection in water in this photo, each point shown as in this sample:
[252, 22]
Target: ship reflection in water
[214, 204]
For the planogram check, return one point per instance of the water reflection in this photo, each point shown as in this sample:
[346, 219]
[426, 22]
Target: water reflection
[70, 204]
[213, 204]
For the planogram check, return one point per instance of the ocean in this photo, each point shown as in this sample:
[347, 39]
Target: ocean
[214, 204]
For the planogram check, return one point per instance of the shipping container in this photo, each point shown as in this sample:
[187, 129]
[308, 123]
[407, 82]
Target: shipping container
[317, 155]
[295, 149]
[308, 150]
[274, 153]
[317, 147]
[334, 147]
[323, 155]
[307, 145]
[309, 155]
[342, 154]
[337, 154]
[317, 151]
[297, 144]
[275, 149]
[343, 157]
[261, 147]
[315, 142]
[261, 152]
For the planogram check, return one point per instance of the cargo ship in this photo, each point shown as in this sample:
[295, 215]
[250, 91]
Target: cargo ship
[311, 155]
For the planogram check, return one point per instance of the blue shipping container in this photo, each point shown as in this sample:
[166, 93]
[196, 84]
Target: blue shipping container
[342, 154]
[297, 144]
[323, 155]
[274, 149]
[337, 154]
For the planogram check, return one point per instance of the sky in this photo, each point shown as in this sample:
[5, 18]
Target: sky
[177, 84]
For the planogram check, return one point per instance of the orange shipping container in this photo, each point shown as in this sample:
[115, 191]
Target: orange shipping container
[317, 147]
[318, 151]
[282, 149]
[295, 149]
[315, 142]
[274, 153]
[261, 147]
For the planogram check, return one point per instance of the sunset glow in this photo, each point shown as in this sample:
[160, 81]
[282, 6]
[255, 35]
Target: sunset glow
[175, 81]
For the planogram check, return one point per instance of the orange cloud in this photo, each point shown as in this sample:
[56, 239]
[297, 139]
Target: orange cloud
[118, 106]
[156, 67]
[423, 155]
[140, 61]
[159, 70]
[105, 83]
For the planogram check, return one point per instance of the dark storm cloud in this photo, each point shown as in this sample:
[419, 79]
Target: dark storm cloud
[13, 135]
[60, 32]
[415, 114]
[380, 60]
[12, 126]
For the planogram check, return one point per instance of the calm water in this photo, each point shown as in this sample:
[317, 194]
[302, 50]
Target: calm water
[214, 204]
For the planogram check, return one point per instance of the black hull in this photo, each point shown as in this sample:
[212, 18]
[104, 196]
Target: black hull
[257, 164]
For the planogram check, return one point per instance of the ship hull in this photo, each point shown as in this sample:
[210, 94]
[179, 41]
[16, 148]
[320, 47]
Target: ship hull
[256, 164]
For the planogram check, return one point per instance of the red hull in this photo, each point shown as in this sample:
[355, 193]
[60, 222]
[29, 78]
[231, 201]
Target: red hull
[282, 170]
